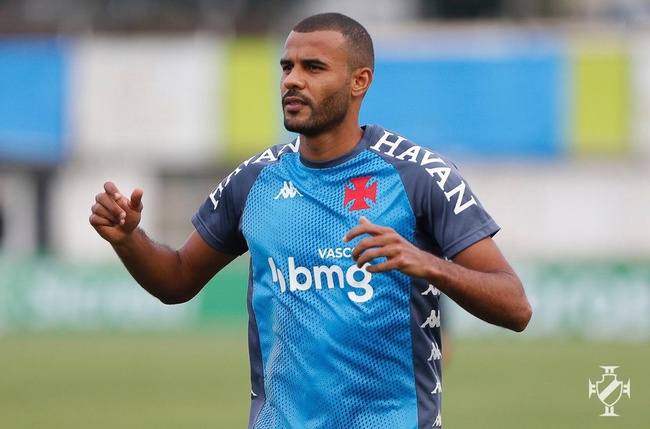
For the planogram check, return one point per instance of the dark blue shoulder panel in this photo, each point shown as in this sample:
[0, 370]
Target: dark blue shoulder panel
[449, 216]
[218, 220]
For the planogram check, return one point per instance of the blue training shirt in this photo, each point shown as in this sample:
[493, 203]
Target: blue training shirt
[331, 345]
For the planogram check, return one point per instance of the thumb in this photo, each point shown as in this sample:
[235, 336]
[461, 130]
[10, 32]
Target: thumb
[136, 200]
[364, 221]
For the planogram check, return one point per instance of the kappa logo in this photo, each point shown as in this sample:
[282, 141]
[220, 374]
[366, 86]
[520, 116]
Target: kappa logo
[436, 354]
[288, 191]
[431, 290]
[359, 193]
[609, 390]
[438, 422]
[433, 321]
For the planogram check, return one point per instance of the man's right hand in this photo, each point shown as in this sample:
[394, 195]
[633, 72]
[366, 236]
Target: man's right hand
[114, 216]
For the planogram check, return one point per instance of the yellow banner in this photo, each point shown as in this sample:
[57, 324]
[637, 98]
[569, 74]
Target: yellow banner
[600, 92]
[252, 100]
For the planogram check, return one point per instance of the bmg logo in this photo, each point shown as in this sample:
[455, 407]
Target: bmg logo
[609, 390]
[331, 277]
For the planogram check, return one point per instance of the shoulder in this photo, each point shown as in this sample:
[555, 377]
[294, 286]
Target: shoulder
[242, 178]
[406, 155]
[424, 172]
[273, 154]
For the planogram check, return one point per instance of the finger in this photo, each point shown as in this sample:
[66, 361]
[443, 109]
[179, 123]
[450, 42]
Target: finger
[371, 228]
[114, 193]
[102, 211]
[353, 233]
[136, 200]
[364, 221]
[364, 227]
[374, 253]
[97, 221]
[368, 255]
[361, 247]
[113, 207]
[372, 242]
[381, 267]
[112, 190]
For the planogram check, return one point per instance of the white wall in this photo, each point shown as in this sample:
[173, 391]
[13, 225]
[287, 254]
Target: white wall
[18, 201]
[75, 189]
[567, 210]
[150, 98]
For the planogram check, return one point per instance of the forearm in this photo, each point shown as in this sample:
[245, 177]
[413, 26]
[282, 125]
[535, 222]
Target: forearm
[157, 268]
[496, 297]
[479, 279]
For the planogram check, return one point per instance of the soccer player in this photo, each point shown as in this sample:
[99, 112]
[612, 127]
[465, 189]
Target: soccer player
[353, 233]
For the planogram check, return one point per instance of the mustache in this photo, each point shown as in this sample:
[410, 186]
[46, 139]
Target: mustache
[297, 94]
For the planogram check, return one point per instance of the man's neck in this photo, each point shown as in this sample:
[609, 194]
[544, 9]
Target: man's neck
[330, 145]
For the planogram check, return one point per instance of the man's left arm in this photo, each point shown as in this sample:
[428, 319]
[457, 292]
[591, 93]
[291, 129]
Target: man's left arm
[479, 279]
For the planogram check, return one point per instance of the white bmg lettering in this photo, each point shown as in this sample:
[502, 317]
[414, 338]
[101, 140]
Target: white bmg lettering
[294, 283]
[324, 277]
[362, 283]
[331, 275]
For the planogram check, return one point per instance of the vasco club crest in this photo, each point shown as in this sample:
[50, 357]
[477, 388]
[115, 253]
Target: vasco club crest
[609, 390]
[360, 193]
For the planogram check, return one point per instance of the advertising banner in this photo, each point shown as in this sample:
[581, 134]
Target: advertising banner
[493, 96]
[593, 300]
[33, 92]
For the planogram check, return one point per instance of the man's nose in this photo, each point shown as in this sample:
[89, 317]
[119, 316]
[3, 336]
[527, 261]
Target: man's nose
[293, 79]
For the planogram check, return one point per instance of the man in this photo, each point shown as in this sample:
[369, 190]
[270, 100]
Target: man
[351, 232]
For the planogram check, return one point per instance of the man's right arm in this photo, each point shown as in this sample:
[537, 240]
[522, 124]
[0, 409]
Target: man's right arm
[173, 276]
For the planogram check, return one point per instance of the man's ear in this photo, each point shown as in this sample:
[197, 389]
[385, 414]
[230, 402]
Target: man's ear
[361, 80]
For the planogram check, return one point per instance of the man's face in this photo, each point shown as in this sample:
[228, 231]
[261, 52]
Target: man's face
[315, 83]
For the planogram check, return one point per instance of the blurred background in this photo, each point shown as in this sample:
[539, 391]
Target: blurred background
[544, 105]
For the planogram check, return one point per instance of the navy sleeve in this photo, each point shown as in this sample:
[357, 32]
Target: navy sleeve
[449, 216]
[218, 220]
[453, 214]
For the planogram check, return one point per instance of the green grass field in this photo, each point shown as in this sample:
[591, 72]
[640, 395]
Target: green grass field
[200, 380]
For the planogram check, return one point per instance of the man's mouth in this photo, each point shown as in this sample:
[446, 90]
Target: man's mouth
[293, 103]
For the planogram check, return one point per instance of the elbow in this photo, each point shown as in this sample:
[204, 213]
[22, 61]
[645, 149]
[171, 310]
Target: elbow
[174, 297]
[171, 300]
[176, 293]
[522, 311]
[523, 316]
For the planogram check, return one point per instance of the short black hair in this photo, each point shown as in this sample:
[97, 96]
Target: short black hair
[361, 52]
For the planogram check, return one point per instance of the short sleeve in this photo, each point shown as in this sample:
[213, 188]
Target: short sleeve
[218, 219]
[455, 216]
